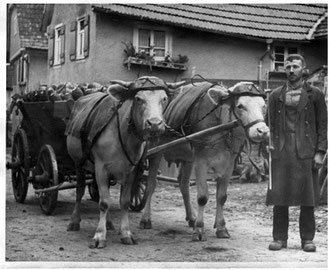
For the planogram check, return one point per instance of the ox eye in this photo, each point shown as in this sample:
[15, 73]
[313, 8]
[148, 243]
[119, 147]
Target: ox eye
[164, 100]
[138, 99]
[240, 106]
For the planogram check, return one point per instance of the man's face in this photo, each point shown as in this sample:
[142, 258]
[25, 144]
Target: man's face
[294, 70]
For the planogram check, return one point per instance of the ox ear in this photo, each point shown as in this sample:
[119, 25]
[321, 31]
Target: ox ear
[118, 91]
[217, 94]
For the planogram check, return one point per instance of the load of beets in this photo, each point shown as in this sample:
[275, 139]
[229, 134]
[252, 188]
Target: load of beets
[60, 92]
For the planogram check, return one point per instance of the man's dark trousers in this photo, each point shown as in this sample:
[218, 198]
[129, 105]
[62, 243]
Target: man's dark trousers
[281, 222]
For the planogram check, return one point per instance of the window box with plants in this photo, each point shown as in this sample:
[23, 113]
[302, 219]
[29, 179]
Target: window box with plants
[143, 58]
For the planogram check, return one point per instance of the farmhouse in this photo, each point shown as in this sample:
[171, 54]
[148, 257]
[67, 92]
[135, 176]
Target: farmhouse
[26, 48]
[222, 42]
[227, 42]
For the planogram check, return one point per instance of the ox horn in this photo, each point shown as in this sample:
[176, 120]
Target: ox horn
[175, 85]
[118, 91]
[115, 87]
[122, 83]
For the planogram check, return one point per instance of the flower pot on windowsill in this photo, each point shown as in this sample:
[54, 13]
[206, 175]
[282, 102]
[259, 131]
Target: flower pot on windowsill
[162, 64]
[178, 65]
[152, 63]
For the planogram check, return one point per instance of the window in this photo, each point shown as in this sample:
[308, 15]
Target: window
[56, 45]
[153, 41]
[79, 38]
[22, 70]
[280, 53]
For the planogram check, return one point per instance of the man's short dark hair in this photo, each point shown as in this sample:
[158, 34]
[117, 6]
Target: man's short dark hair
[291, 57]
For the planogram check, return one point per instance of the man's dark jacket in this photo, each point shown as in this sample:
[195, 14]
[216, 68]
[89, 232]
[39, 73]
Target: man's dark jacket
[311, 127]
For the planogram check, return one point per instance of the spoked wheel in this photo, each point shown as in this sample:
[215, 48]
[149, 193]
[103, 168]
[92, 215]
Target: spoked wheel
[20, 166]
[138, 194]
[47, 176]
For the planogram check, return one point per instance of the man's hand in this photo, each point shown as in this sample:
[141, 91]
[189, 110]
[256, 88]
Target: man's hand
[318, 160]
[269, 148]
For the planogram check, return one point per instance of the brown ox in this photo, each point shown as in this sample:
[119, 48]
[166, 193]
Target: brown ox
[119, 146]
[214, 105]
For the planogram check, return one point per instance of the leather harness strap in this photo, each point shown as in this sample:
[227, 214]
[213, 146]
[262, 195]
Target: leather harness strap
[247, 126]
[122, 144]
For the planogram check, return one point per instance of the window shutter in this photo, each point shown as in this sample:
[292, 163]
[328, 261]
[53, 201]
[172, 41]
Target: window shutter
[51, 47]
[25, 68]
[62, 55]
[73, 40]
[86, 42]
[19, 68]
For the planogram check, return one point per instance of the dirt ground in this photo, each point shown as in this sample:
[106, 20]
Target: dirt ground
[33, 239]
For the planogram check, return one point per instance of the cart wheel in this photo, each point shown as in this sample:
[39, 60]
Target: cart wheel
[138, 197]
[47, 168]
[20, 172]
[94, 191]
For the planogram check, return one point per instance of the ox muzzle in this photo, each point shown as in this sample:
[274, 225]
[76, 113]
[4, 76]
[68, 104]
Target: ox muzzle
[258, 131]
[154, 127]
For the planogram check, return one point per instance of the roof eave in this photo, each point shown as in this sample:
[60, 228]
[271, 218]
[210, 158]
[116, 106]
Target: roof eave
[22, 51]
[314, 28]
[237, 35]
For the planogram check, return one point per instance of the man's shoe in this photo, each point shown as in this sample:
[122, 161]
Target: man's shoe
[308, 246]
[277, 245]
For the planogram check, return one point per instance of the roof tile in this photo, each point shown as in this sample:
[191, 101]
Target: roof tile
[277, 21]
[29, 19]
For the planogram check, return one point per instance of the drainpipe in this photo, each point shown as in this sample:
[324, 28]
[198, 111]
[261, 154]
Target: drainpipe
[267, 52]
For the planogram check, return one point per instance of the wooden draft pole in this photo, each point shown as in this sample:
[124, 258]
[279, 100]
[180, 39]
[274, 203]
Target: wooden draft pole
[62, 186]
[185, 139]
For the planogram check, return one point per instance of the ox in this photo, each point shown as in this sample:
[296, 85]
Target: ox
[196, 108]
[137, 114]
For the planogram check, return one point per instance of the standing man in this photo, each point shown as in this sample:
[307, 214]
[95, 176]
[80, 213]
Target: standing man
[298, 126]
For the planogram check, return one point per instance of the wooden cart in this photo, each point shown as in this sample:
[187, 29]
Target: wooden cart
[40, 157]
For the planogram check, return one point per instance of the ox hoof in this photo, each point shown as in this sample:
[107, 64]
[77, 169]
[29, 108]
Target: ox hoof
[128, 241]
[97, 244]
[191, 223]
[222, 233]
[73, 227]
[198, 236]
[110, 226]
[145, 224]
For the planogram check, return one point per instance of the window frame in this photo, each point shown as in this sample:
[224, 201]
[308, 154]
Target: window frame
[58, 44]
[152, 29]
[22, 70]
[80, 38]
[285, 54]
